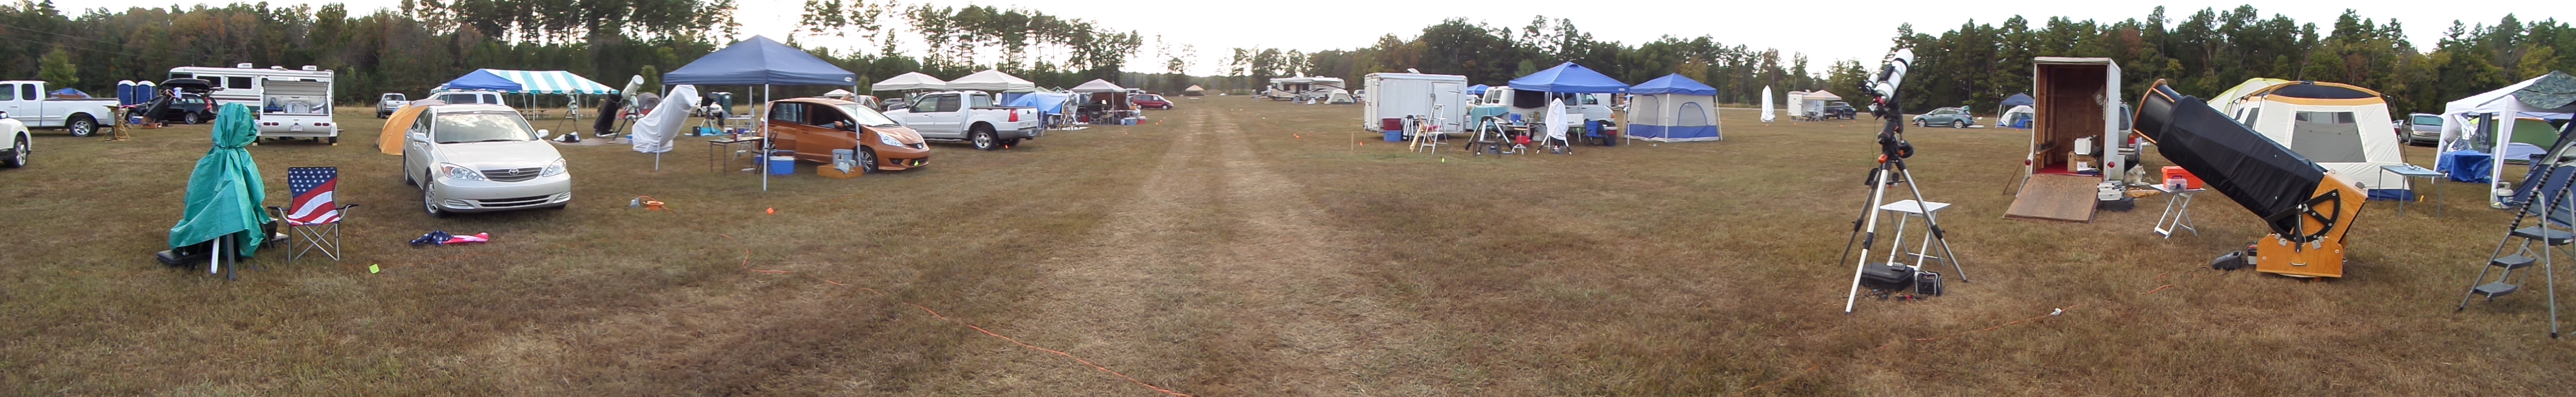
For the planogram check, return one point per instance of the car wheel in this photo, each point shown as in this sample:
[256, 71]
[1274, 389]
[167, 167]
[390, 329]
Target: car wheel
[868, 161]
[984, 140]
[83, 126]
[429, 200]
[1919, 123]
[17, 154]
[192, 118]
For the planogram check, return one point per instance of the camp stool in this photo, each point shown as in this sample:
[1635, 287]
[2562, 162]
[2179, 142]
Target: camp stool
[314, 214]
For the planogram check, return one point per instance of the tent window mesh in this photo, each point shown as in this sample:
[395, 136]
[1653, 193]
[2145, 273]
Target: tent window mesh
[2327, 137]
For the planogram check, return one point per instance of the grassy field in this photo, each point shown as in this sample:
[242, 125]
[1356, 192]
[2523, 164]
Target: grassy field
[1232, 247]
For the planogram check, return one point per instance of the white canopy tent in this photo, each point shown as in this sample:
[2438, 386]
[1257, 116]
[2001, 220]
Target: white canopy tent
[991, 80]
[2493, 112]
[838, 94]
[1097, 85]
[910, 81]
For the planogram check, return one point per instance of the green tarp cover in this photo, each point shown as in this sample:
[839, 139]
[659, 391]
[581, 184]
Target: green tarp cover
[225, 192]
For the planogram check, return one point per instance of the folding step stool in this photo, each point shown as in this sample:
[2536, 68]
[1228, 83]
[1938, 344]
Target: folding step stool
[2554, 227]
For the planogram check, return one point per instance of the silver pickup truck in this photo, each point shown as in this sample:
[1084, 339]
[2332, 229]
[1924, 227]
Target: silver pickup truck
[969, 116]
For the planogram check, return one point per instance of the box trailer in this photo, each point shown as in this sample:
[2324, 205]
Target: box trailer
[2075, 139]
[1443, 97]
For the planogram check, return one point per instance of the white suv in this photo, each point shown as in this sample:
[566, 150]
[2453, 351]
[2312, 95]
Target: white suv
[482, 158]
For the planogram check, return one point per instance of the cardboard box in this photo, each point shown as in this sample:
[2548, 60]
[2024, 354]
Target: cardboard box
[828, 171]
[2081, 163]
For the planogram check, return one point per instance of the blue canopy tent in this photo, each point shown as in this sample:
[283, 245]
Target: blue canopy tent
[762, 62]
[1477, 90]
[1050, 104]
[529, 82]
[1569, 78]
[1673, 108]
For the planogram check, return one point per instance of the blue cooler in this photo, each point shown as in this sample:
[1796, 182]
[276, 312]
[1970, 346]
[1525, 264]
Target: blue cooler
[782, 162]
[1395, 136]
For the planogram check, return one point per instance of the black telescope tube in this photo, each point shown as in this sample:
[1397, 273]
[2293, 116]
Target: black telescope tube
[2251, 170]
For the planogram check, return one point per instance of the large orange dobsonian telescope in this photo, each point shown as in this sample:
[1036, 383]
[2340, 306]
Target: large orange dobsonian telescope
[2307, 208]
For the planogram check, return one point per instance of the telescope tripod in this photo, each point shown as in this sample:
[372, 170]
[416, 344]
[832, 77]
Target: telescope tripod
[1891, 170]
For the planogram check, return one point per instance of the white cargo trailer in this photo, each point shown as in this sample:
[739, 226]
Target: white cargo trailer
[1396, 95]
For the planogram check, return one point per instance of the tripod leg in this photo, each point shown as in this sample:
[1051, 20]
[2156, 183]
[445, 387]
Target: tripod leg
[1877, 192]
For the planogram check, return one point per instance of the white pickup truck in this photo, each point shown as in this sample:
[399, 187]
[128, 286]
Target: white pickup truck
[25, 101]
[969, 116]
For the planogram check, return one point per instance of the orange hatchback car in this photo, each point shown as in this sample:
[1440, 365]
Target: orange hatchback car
[814, 126]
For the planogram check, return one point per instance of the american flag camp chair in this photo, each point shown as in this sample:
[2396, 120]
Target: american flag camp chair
[312, 215]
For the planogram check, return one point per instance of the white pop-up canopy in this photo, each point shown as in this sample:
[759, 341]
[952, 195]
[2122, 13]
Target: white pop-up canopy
[910, 81]
[991, 80]
[1097, 85]
[2493, 113]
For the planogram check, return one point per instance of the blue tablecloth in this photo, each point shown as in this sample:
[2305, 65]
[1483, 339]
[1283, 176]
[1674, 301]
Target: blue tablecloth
[2465, 165]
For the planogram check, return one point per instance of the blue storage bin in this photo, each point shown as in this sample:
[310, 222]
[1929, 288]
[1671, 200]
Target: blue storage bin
[1395, 136]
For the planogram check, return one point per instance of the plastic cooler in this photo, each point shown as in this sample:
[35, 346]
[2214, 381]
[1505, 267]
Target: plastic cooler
[2176, 172]
[782, 162]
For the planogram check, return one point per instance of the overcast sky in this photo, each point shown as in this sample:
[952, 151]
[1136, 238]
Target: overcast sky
[1825, 30]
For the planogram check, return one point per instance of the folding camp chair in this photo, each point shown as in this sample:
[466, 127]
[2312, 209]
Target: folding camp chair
[313, 215]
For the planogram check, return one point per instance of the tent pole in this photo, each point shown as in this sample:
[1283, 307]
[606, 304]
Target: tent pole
[766, 144]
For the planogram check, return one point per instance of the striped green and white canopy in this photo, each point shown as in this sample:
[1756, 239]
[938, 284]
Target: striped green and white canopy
[528, 81]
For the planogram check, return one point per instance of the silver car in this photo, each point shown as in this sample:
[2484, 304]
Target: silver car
[482, 158]
[2423, 129]
[389, 102]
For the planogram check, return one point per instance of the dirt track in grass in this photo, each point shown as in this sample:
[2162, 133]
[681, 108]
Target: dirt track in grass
[1219, 278]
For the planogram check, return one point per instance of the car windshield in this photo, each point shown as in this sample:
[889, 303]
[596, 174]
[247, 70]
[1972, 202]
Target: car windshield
[393, 97]
[481, 127]
[868, 117]
[2429, 120]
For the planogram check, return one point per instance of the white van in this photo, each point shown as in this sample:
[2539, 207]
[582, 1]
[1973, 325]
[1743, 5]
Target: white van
[290, 103]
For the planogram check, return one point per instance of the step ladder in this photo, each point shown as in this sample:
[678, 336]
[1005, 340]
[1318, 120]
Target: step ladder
[2541, 244]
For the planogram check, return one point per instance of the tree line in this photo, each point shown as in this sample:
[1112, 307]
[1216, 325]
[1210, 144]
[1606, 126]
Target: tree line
[410, 48]
[2210, 51]
[423, 43]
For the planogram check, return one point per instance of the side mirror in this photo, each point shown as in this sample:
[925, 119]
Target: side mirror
[543, 134]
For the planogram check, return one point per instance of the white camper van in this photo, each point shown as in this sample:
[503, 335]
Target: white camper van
[292, 103]
[1395, 95]
[1530, 107]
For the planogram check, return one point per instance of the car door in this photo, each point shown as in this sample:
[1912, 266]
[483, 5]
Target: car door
[929, 115]
[417, 155]
[787, 125]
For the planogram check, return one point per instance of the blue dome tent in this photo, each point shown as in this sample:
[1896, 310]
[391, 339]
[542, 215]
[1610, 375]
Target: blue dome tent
[1673, 108]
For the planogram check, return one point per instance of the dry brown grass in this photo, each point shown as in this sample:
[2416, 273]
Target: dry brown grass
[1238, 247]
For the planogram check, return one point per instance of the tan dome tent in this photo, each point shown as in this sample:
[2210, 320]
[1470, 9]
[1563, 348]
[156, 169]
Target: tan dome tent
[2341, 127]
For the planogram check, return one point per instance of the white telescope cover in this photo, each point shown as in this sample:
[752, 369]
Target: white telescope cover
[1556, 119]
[654, 132]
[1766, 105]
